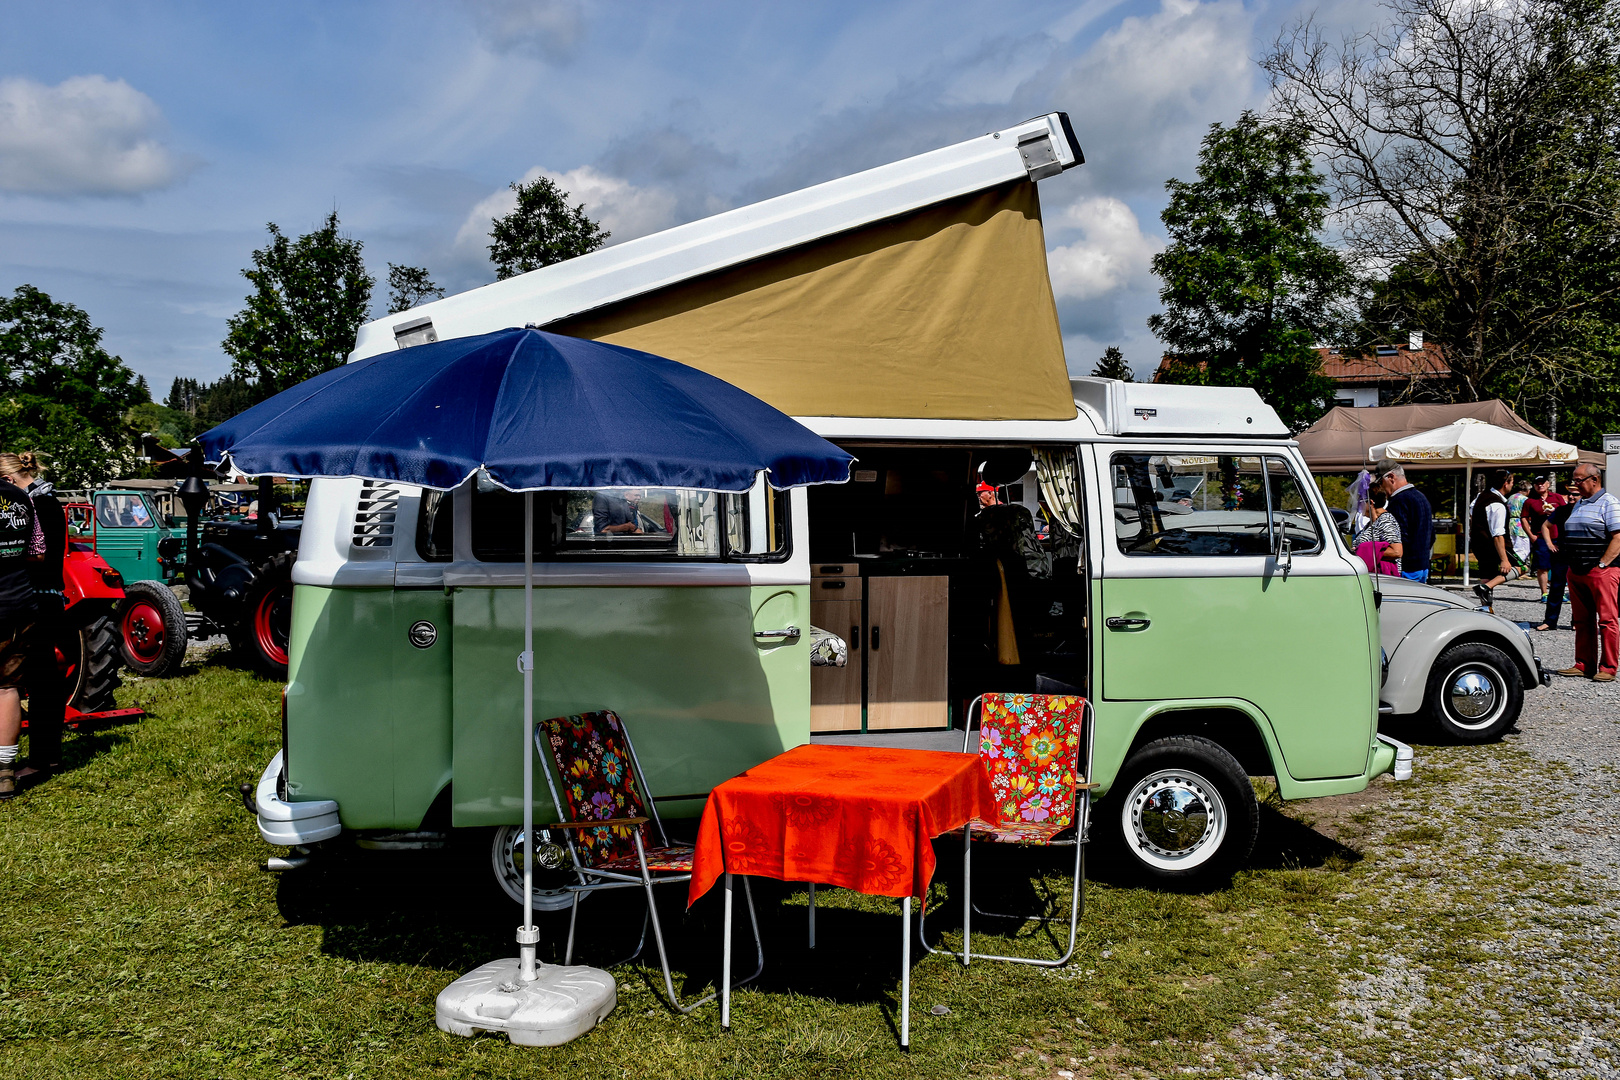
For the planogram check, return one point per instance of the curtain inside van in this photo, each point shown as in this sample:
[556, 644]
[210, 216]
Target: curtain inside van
[946, 312]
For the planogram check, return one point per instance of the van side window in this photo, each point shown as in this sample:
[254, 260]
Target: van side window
[657, 524]
[1189, 504]
[1291, 513]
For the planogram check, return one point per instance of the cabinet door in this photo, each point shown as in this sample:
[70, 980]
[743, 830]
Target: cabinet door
[907, 640]
[835, 693]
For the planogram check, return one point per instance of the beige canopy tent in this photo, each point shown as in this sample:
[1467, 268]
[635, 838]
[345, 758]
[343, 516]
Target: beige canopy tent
[1340, 440]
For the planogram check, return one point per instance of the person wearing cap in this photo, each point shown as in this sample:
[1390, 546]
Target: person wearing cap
[1411, 510]
[1537, 509]
[1590, 540]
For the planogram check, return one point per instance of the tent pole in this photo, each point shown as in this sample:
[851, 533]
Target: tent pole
[528, 934]
[1467, 515]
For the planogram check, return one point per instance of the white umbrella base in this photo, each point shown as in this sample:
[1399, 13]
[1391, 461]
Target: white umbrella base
[559, 1006]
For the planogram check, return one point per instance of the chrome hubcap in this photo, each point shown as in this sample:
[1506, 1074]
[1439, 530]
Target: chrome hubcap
[549, 878]
[1474, 696]
[1176, 819]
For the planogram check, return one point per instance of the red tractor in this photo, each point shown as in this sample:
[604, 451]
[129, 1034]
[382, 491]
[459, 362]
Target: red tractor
[87, 649]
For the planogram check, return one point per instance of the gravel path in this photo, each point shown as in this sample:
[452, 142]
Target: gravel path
[1487, 923]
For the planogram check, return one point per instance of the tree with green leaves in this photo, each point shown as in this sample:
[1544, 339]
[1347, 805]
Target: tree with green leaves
[409, 286]
[61, 392]
[1112, 365]
[542, 229]
[1473, 152]
[1249, 285]
[309, 297]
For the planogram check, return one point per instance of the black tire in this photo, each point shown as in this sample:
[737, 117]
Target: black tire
[1181, 811]
[151, 629]
[267, 618]
[1475, 693]
[87, 656]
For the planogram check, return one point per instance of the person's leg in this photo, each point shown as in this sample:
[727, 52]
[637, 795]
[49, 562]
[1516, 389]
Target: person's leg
[1583, 613]
[10, 730]
[1555, 596]
[47, 696]
[1605, 583]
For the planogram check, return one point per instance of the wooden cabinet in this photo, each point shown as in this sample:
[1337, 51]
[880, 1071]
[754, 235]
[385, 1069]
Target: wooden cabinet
[899, 640]
[907, 642]
[835, 693]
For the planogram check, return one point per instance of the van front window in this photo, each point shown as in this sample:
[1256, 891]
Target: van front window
[1193, 504]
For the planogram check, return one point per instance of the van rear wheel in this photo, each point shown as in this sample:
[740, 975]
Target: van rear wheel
[1182, 811]
[507, 856]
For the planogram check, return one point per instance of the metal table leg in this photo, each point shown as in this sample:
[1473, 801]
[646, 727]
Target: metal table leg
[967, 890]
[812, 914]
[905, 974]
[725, 963]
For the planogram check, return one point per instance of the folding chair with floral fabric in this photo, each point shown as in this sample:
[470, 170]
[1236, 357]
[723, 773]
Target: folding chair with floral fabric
[1037, 750]
[604, 814]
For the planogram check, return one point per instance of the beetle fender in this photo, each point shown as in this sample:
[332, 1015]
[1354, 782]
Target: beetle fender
[1413, 658]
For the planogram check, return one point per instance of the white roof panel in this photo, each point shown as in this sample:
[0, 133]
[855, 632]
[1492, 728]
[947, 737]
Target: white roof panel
[1122, 408]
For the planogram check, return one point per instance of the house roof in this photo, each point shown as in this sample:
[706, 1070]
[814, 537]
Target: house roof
[1398, 364]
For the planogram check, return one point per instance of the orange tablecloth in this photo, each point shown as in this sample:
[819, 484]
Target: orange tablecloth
[857, 817]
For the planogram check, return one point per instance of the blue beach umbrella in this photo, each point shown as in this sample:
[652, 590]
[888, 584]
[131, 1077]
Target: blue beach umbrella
[534, 411]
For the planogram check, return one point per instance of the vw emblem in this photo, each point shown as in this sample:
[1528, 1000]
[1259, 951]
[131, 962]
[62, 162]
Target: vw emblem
[424, 634]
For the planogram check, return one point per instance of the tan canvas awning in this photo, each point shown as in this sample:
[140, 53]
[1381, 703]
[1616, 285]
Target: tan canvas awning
[1340, 440]
[943, 313]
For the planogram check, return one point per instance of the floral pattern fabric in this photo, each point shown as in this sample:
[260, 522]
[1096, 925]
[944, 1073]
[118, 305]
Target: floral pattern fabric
[827, 649]
[670, 860]
[1030, 746]
[597, 782]
[1018, 832]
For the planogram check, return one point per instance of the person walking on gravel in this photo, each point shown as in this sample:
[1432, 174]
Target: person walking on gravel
[1488, 534]
[1538, 508]
[21, 541]
[1590, 540]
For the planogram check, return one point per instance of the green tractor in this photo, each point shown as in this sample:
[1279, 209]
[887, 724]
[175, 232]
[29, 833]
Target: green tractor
[236, 570]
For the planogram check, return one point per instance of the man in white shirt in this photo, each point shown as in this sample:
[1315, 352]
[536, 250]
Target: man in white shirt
[1590, 542]
[1487, 527]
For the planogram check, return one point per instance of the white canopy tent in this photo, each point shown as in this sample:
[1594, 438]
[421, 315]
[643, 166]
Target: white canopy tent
[1469, 442]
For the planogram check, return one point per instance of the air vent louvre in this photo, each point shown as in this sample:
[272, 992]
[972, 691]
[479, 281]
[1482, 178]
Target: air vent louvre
[375, 514]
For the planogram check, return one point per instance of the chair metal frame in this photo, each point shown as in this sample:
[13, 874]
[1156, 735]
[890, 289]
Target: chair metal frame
[592, 879]
[1082, 830]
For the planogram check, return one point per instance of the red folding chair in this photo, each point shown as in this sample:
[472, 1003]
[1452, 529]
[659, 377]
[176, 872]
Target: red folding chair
[604, 815]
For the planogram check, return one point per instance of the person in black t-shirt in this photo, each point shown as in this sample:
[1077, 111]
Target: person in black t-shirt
[21, 540]
[47, 695]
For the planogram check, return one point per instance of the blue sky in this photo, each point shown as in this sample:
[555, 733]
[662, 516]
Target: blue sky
[143, 146]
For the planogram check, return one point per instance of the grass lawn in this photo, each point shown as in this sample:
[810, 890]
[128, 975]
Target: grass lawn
[140, 938]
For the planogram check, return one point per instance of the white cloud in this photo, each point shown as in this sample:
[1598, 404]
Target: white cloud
[552, 29]
[89, 135]
[1112, 254]
[622, 208]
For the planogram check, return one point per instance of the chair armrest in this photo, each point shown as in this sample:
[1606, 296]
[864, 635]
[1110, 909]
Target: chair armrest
[626, 821]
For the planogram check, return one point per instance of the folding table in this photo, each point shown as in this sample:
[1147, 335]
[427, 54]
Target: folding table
[857, 817]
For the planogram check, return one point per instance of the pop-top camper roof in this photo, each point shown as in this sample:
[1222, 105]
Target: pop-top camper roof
[915, 289]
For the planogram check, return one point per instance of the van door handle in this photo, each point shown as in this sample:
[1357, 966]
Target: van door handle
[791, 633]
[1118, 622]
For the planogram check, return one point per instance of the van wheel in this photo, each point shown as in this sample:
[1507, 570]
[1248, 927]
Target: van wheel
[506, 854]
[151, 629]
[1182, 810]
[1474, 693]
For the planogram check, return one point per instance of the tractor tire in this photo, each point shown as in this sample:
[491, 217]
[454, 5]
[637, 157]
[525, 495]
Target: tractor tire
[151, 629]
[88, 658]
[267, 618]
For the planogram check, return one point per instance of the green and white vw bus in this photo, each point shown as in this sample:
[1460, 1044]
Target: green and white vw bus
[1161, 549]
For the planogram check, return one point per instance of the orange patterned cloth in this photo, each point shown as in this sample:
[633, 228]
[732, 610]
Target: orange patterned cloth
[856, 817]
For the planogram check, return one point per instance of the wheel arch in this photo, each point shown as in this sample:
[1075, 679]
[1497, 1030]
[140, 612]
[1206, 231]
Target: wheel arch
[1237, 726]
[1409, 665]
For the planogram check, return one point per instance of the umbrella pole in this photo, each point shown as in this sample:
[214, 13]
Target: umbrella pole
[1467, 515]
[528, 934]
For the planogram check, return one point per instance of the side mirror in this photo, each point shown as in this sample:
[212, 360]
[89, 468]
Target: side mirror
[1284, 553]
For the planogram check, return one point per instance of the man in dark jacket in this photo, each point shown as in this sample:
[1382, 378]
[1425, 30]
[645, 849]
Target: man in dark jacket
[1410, 507]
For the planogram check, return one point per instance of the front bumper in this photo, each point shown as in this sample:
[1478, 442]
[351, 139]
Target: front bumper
[1543, 673]
[288, 824]
[1392, 756]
